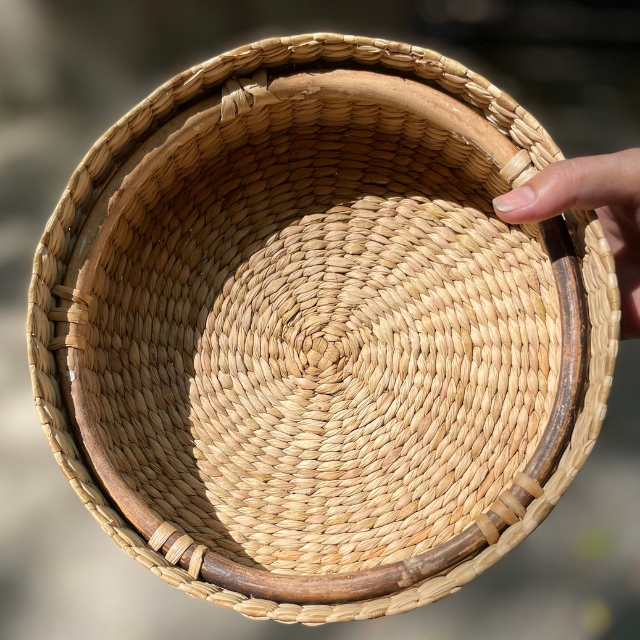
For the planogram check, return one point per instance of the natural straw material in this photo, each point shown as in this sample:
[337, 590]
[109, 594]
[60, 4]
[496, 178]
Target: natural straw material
[286, 326]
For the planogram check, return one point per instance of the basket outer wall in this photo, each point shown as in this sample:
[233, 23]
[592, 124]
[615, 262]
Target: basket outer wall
[57, 242]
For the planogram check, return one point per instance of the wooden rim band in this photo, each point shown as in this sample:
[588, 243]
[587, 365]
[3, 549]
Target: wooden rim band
[161, 535]
[71, 294]
[516, 166]
[62, 341]
[488, 529]
[178, 548]
[504, 512]
[234, 95]
[195, 563]
[516, 506]
[73, 314]
[528, 484]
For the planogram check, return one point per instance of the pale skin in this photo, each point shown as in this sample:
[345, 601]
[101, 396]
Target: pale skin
[610, 184]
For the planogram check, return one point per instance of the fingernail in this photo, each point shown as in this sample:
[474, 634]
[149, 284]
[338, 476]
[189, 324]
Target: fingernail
[516, 199]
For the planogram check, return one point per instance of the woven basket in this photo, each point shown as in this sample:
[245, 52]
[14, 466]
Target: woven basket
[284, 352]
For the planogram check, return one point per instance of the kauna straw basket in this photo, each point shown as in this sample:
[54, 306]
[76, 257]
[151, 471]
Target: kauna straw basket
[285, 353]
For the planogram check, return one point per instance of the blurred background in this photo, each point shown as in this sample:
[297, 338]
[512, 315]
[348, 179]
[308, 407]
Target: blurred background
[68, 70]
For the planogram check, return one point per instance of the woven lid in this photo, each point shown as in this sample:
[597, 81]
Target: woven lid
[285, 353]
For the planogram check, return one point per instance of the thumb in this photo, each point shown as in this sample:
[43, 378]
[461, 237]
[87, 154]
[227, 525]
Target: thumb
[581, 183]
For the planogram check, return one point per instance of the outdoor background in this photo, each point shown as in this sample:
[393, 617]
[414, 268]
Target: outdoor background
[68, 70]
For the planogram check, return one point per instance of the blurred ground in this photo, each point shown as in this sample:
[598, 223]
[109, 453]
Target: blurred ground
[69, 70]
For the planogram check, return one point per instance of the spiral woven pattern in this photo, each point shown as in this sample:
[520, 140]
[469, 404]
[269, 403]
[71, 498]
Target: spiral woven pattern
[309, 344]
[370, 417]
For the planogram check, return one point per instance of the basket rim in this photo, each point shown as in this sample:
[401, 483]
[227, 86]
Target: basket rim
[47, 273]
[436, 107]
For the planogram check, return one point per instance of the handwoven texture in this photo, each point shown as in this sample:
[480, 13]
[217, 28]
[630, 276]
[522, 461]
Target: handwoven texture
[308, 343]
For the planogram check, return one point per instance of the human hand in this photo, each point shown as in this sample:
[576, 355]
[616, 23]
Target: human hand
[610, 184]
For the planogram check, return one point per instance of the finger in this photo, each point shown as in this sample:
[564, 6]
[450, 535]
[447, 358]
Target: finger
[581, 183]
[628, 275]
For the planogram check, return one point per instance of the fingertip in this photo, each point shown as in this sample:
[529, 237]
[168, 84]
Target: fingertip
[514, 200]
[506, 216]
[512, 206]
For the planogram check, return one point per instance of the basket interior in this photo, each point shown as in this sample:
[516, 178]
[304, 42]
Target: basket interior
[312, 346]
